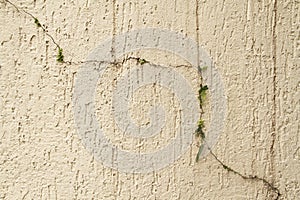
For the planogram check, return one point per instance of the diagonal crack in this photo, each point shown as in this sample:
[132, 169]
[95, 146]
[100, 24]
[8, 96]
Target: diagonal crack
[245, 177]
[36, 21]
[60, 56]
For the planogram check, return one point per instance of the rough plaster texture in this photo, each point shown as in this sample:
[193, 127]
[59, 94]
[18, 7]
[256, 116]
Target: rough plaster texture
[255, 46]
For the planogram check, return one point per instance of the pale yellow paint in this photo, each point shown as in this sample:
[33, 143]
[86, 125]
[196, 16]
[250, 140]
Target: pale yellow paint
[255, 45]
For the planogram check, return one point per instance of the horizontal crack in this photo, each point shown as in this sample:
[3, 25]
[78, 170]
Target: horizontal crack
[138, 60]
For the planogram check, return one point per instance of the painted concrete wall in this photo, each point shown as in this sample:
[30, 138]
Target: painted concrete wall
[47, 151]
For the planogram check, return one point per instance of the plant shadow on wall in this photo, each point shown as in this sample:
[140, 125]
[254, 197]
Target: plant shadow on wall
[202, 93]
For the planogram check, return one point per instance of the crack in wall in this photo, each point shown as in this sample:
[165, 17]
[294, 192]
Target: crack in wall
[39, 25]
[142, 61]
[274, 79]
[246, 177]
[197, 30]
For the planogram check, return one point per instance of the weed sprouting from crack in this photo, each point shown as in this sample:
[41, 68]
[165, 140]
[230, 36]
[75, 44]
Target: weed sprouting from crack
[60, 56]
[199, 131]
[202, 94]
[37, 22]
[140, 61]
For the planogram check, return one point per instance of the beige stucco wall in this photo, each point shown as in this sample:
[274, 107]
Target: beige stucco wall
[255, 46]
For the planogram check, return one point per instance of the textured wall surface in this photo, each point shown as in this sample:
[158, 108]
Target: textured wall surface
[255, 45]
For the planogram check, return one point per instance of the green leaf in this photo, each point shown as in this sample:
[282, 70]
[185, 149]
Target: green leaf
[142, 61]
[201, 123]
[60, 56]
[199, 152]
[36, 21]
[202, 93]
[203, 67]
[199, 131]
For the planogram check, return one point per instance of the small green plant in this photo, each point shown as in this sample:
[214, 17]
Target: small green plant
[203, 67]
[142, 61]
[202, 93]
[60, 56]
[199, 131]
[37, 22]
